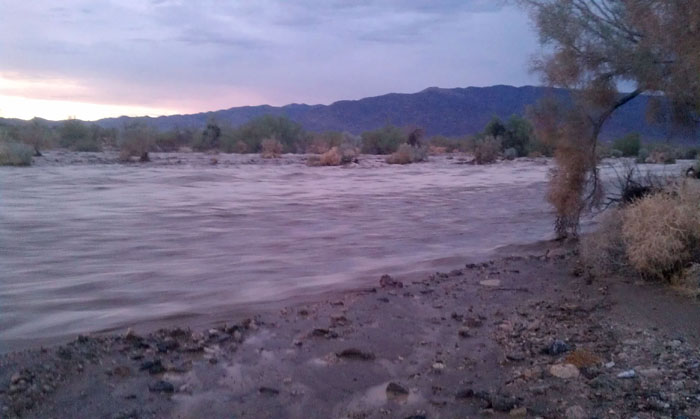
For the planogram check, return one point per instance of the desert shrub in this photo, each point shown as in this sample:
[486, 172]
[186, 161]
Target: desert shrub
[510, 153]
[487, 150]
[271, 148]
[537, 148]
[661, 232]
[15, 154]
[602, 252]
[629, 145]
[661, 156]
[407, 154]
[288, 133]
[78, 136]
[688, 153]
[384, 140]
[331, 157]
[320, 143]
[37, 135]
[616, 154]
[136, 140]
[643, 155]
[173, 140]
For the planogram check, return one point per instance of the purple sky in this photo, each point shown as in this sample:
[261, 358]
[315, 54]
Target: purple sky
[93, 59]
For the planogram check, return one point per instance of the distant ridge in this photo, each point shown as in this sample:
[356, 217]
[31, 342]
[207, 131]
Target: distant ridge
[450, 112]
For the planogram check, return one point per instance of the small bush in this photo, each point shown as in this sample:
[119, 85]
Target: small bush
[15, 154]
[661, 157]
[78, 136]
[510, 153]
[407, 154]
[661, 232]
[643, 155]
[332, 157]
[616, 154]
[271, 148]
[628, 145]
[385, 140]
[487, 150]
[136, 140]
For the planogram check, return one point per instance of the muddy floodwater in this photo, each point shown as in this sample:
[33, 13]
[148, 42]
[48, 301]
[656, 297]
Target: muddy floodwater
[88, 245]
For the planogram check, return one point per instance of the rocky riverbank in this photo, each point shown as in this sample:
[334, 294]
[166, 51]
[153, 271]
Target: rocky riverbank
[523, 336]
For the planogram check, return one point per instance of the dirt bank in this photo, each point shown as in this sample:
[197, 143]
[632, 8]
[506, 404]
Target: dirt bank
[520, 336]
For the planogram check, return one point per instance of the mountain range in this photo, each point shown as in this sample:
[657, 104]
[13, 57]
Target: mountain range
[450, 112]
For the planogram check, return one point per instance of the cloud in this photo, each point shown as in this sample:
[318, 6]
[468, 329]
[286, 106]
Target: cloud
[196, 56]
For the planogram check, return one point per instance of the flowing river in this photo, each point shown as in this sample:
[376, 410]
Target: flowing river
[87, 245]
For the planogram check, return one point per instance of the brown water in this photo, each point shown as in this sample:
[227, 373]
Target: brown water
[87, 246]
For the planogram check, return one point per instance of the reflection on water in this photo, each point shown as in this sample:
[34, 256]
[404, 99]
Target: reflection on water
[87, 247]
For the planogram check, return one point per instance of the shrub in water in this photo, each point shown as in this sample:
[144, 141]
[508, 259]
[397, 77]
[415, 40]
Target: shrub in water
[628, 145]
[15, 154]
[661, 232]
[407, 154]
[271, 148]
[487, 150]
[510, 153]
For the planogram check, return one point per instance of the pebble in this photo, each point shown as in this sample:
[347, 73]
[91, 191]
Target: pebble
[564, 371]
[626, 374]
[609, 365]
[557, 347]
[438, 366]
[394, 390]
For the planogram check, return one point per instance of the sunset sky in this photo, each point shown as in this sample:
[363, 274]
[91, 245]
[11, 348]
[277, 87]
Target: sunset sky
[95, 59]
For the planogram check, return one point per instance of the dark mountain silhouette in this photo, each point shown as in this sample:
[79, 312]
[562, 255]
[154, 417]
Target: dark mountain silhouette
[450, 112]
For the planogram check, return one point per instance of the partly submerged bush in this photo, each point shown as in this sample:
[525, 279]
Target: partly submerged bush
[407, 154]
[271, 148]
[336, 156]
[487, 150]
[661, 232]
[657, 236]
[510, 153]
[136, 140]
[15, 154]
[78, 136]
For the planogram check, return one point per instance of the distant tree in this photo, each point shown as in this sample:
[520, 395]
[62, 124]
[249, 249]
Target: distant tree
[36, 134]
[136, 140]
[595, 46]
[385, 140]
[495, 128]
[78, 136]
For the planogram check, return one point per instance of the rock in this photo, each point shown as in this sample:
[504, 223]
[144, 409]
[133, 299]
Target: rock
[324, 333]
[575, 412]
[626, 374]
[464, 332]
[161, 386]
[394, 390]
[339, 321]
[153, 367]
[609, 365]
[438, 366]
[492, 283]
[167, 344]
[269, 391]
[355, 354]
[464, 394]
[503, 402]
[564, 371]
[557, 347]
[515, 356]
[387, 281]
[520, 412]
[456, 272]
[558, 253]
[15, 378]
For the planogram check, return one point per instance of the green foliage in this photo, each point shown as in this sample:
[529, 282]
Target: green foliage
[517, 133]
[629, 145]
[385, 140]
[15, 154]
[209, 138]
[174, 139]
[78, 136]
[290, 134]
